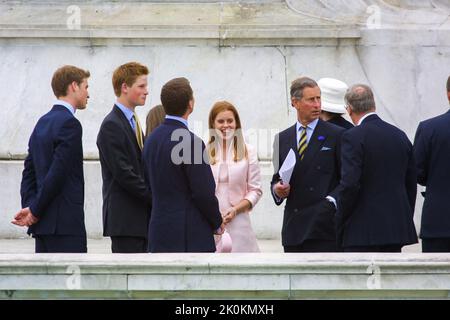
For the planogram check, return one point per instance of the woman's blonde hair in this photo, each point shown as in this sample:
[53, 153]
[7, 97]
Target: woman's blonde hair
[155, 117]
[239, 148]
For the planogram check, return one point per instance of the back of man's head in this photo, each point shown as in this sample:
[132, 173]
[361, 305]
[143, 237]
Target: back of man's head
[360, 99]
[127, 73]
[298, 85]
[175, 96]
[65, 76]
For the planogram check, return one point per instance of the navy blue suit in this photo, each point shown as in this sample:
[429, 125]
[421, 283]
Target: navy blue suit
[308, 215]
[341, 122]
[185, 211]
[52, 180]
[126, 198]
[432, 154]
[376, 203]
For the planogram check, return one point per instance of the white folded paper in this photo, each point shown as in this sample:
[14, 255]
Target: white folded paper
[288, 167]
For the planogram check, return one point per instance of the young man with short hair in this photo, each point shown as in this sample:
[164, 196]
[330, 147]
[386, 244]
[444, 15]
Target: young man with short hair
[52, 187]
[185, 213]
[126, 199]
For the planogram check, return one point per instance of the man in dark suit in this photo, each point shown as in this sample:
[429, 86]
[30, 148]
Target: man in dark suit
[126, 198]
[308, 223]
[52, 187]
[376, 203]
[185, 211]
[432, 154]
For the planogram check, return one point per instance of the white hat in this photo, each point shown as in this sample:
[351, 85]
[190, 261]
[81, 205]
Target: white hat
[333, 93]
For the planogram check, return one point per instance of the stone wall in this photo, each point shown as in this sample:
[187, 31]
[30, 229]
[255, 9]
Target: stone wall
[246, 52]
[224, 276]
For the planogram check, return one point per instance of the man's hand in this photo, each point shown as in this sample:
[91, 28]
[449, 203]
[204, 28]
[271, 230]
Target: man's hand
[221, 229]
[282, 190]
[24, 218]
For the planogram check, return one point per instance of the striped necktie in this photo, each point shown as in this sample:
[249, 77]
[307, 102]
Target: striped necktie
[302, 144]
[138, 131]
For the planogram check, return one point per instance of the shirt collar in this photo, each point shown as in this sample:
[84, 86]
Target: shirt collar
[127, 112]
[312, 125]
[364, 117]
[184, 121]
[67, 105]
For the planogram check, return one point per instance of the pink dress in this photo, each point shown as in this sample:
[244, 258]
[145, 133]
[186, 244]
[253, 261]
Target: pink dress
[234, 182]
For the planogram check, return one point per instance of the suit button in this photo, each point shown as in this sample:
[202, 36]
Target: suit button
[311, 189]
[295, 210]
[318, 167]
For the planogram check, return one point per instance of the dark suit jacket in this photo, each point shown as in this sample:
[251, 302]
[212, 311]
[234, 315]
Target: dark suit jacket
[52, 180]
[126, 198]
[432, 154]
[308, 214]
[378, 194]
[185, 210]
[341, 122]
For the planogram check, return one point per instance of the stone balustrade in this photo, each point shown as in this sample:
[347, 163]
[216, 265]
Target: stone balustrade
[225, 276]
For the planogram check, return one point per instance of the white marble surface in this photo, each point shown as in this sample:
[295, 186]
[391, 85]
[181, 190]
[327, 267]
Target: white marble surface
[246, 52]
[251, 78]
[273, 275]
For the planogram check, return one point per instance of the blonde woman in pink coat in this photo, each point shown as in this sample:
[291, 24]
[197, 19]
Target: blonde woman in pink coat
[236, 171]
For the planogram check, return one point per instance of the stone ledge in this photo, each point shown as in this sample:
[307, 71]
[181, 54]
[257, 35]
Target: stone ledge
[222, 33]
[199, 20]
[245, 276]
[268, 19]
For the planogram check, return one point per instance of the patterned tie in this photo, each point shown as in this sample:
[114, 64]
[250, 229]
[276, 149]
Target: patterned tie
[302, 144]
[138, 131]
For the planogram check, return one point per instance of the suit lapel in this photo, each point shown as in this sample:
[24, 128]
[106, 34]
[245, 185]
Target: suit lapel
[289, 142]
[292, 142]
[128, 129]
[316, 142]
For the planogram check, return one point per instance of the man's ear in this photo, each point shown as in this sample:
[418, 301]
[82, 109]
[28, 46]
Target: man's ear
[448, 96]
[124, 88]
[349, 111]
[72, 87]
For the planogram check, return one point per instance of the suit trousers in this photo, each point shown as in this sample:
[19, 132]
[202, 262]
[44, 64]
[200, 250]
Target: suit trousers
[129, 245]
[436, 245]
[60, 244]
[384, 248]
[313, 246]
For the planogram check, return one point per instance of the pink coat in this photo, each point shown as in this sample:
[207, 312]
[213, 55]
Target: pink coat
[244, 178]
[244, 182]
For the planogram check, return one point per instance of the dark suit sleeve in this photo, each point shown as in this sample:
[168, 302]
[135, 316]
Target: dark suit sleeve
[28, 187]
[276, 166]
[411, 177]
[146, 178]
[421, 155]
[110, 142]
[335, 193]
[202, 185]
[67, 142]
[352, 162]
